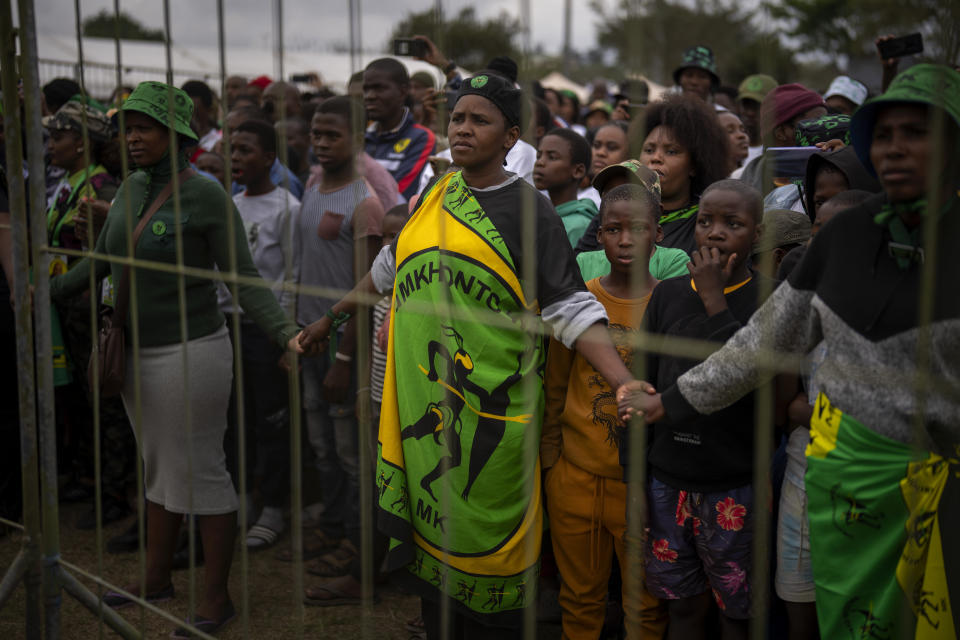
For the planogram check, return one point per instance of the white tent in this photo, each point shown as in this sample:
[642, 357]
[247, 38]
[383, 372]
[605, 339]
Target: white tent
[558, 81]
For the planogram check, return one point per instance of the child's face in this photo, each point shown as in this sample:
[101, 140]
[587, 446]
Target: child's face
[627, 234]
[248, 162]
[662, 153]
[332, 140]
[737, 134]
[478, 133]
[725, 223]
[390, 228]
[824, 214]
[826, 185]
[609, 147]
[553, 167]
[212, 164]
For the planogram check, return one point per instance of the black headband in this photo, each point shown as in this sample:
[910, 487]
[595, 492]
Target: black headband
[498, 91]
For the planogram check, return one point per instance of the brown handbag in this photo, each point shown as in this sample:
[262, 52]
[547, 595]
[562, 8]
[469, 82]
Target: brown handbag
[109, 354]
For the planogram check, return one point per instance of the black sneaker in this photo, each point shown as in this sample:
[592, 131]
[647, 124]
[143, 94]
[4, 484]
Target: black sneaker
[128, 541]
[113, 510]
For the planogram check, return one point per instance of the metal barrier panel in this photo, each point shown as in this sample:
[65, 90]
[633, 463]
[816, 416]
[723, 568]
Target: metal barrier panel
[177, 271]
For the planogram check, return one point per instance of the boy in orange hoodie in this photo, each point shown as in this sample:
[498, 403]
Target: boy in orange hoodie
[586, 496]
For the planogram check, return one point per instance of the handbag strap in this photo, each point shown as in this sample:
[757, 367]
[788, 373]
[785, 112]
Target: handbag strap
[123, 287]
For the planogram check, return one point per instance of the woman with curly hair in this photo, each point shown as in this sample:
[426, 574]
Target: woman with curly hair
[686, 146]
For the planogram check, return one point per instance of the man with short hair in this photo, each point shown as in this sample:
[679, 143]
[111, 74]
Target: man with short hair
[393, 139]
[280, 100]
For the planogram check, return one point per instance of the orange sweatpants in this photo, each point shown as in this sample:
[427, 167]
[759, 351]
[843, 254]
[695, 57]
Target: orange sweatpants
[588, 522]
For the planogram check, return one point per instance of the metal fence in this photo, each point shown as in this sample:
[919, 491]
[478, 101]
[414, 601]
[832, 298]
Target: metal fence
[46, 573]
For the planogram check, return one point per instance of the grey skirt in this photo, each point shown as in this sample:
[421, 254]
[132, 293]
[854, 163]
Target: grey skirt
[182, 422]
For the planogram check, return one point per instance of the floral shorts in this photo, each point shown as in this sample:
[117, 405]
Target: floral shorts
[701, 541]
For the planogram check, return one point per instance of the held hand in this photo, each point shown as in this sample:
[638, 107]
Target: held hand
[639, 398]
[315, 337]
[621, 111]
[433, 55]
[887, 63]
[90, 208]
[830, 145]
[383, 334]
[337, 382]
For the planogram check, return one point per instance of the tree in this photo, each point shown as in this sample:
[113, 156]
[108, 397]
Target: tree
[850, 26]
[650, 36]
[465, 39]
[105, 25]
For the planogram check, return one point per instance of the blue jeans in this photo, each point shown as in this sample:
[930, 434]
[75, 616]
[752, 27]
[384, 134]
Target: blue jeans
[332, 431]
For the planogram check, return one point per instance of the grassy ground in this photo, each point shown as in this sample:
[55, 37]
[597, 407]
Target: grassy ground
[274, 611]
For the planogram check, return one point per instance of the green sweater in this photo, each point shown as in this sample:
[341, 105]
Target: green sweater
[576, 216]
[665, 263]
[203, 224]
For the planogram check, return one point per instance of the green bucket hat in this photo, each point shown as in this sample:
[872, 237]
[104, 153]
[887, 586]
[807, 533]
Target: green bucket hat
[152, 98]
[635, 172]
[698, 57]
[935, 85]
[70, 118]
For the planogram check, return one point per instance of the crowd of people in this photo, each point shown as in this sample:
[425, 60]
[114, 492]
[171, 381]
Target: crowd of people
[522, 268]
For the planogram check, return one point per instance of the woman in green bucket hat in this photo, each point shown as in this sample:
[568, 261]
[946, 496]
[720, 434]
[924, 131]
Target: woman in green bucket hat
[185, 374]
[883, 464]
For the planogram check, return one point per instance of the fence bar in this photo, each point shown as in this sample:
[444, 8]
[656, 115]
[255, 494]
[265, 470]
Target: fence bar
[42, 338]
[92, 602]
[29, 461]
[11, 579]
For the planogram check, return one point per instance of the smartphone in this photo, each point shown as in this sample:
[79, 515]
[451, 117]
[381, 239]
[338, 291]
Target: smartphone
[902, 46]
[410, 47]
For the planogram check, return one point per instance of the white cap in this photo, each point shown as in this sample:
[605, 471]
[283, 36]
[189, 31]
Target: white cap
[848, 88]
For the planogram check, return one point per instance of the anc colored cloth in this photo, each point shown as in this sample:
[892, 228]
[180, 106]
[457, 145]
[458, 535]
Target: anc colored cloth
[458, 470]
[876, 534]
[588, 525]
[666, 262]
[576, 216]
[202, 225]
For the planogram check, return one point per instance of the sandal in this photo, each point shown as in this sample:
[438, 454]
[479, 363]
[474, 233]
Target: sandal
[205, 625]
[315, 543]
[260, 537]
[326, 594]
[116, 600]
[334, 564]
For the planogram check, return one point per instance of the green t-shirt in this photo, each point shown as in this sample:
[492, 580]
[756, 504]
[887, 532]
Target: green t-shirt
[576, 216]
[664, 263]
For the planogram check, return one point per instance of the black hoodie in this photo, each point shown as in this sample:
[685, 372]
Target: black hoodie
[846, 162]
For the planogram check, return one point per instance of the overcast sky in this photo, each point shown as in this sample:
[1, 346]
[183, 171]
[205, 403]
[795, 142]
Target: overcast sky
[307, 26]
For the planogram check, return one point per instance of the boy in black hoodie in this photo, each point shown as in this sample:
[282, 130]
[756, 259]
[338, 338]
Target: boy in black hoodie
[700, 494]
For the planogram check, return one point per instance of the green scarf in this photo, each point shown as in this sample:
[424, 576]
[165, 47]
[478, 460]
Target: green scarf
[458, 470]
[906, 245]
[680, 214]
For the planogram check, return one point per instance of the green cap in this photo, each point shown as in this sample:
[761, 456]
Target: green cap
[782, 227]
[152, 98]
[698, 57]
[935, 85]
[756, 87]
[635, 172]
